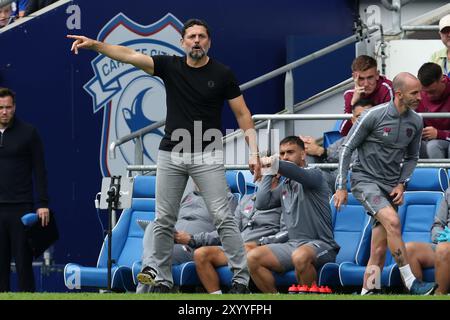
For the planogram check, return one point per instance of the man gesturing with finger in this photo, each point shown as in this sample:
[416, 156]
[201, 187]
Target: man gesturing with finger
[196, 87]
[387, 138]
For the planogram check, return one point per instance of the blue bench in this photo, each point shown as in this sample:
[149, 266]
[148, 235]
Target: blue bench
[421, 202]
[126, 248]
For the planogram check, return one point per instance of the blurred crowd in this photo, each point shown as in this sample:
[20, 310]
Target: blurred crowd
[21, 8]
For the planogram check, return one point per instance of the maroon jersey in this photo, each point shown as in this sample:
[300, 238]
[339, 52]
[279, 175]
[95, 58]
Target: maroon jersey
[441, 105]
[382, 93]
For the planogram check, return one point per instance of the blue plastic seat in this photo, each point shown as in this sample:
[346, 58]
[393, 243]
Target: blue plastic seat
[421, 202]
[337, 125]
[126, 248]
[185, 274]
[352, 231]
[250, 185]
[236, 182]
[330, 137]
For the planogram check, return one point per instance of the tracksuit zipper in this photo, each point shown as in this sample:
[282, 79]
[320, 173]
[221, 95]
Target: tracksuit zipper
[398, 129]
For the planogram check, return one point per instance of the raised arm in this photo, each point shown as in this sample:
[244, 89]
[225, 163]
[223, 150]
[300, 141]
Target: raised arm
[115, 52]
[309, 178]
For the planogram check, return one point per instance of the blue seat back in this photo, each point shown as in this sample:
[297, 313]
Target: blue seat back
[421, 203]
[419, 211]
[428, 179]
[352, 231]
[417, 216]
[251, 186]
[127, 235]
[236, 182]
[330, 137]
[337, 125]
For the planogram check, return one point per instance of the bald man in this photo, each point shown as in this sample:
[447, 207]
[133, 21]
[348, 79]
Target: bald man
[386, 136]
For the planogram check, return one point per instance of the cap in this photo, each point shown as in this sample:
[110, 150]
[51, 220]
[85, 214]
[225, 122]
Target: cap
[444, 22]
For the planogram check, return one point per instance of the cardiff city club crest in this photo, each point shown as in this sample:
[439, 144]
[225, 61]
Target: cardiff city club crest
[130, 98]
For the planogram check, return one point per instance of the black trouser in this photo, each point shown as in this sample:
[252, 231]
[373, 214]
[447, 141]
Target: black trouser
[13, 244]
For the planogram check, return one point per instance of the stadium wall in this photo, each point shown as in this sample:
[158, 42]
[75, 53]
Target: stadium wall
[56, 89]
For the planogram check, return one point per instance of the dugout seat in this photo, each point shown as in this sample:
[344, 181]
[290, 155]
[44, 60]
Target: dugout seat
[330, 137]
[126, 244]
[352, 231]
[421, 202]
[185, 274]
[250, 184]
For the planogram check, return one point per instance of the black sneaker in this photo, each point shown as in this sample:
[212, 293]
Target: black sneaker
[372, 292]
[160, 289]
[238, 288]
[147, 276]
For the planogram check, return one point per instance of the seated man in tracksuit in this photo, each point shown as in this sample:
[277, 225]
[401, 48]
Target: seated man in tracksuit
[304, 198]
[193, 218]
[257, 227]
[436, 254]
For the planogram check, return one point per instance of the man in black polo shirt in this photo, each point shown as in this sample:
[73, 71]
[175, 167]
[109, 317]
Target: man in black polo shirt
[196, 87]
[21, 158]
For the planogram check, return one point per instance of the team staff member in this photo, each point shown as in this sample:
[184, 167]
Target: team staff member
[21, 158]
[387, 138]
[196, 87]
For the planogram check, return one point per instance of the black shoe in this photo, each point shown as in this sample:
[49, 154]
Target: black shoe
[372, 292]
[160, 289]
[238, 288]
[147, 276]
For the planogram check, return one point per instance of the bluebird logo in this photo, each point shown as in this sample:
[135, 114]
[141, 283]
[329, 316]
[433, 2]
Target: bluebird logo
[130, 98]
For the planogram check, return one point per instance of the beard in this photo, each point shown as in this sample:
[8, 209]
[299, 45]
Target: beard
[412, 104]
[197, 53]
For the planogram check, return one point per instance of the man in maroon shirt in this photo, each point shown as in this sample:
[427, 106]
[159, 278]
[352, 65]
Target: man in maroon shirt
[435, 98]
[368, 84]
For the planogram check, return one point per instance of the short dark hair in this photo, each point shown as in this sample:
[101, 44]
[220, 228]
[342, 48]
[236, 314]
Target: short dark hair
[429, 73]
[363, 102]
[195, 22]
[5, 92]
[363, 63]
[293, 140]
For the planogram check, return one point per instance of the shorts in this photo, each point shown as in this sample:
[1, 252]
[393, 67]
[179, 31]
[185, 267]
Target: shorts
[373, 196]
[283, 252]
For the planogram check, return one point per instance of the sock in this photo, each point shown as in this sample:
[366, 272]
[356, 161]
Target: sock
[364, 291]
[217, 292]
[407, 275]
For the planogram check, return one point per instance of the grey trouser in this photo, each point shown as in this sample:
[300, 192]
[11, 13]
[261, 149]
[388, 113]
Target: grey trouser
[172, 175]
[435, 149]
[180, 254]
